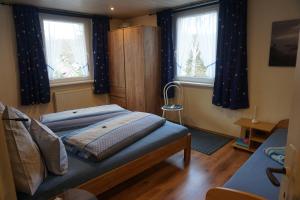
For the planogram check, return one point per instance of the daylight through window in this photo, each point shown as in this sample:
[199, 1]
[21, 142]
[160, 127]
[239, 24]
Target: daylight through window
[66, 48]
[196, 44]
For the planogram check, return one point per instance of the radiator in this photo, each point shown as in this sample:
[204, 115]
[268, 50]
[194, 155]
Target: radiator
[74, 99]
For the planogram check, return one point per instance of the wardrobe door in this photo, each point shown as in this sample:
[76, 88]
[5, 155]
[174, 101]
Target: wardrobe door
[134, 65]
[116, 64]
[152, 70]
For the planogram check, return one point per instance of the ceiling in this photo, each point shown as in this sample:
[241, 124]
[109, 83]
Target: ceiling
[122, 8]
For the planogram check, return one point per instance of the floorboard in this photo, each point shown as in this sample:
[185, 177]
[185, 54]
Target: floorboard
[170, 180]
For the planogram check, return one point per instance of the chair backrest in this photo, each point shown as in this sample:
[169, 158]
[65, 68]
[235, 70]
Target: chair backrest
[221, 193]
[176, 85]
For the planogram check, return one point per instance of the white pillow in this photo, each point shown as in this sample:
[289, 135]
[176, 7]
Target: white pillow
[51, 146]
[27, 165]
[19, 115]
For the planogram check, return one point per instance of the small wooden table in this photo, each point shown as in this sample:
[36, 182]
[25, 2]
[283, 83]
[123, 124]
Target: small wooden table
[255, 133]
[77, 194]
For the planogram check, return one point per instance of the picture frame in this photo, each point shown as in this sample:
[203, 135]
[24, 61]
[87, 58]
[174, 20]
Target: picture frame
[284, 43]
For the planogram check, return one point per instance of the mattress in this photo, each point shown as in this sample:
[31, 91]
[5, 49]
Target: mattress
[81, 171]
[252, 177]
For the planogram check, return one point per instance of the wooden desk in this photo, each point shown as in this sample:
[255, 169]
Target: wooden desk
[256, 133]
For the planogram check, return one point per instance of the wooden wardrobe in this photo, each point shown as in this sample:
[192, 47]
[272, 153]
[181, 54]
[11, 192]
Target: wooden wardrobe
[134, 68]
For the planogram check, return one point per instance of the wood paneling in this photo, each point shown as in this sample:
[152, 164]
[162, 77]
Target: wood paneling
[117, 68]
[116, 59]
[169, 180]
[152, 70]
[135, 70]
[118, 91]
[141, 82]
[121, 101]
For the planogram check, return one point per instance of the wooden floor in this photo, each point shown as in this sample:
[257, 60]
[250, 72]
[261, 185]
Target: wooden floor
[170, 180]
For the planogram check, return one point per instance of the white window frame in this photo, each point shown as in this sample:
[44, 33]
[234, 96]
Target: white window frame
[88, 38]
[184, 79]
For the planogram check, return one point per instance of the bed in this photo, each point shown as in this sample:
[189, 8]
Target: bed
[252, 177]
[98, 177]
[251, 181]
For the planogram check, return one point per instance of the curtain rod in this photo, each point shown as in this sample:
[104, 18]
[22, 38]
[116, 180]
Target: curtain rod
[195, 5]
[192, 6]
[57, 11]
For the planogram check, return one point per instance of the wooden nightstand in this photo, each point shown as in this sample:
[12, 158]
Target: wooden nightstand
[252, 134]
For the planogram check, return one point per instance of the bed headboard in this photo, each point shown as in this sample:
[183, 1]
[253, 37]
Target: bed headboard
[283, 124]
[6, 177]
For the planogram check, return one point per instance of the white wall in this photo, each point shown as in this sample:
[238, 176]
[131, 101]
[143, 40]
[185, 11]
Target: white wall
[270, 88]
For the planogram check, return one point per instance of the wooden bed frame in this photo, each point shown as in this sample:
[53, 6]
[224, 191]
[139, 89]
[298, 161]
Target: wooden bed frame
[222, 193]
[105, 181]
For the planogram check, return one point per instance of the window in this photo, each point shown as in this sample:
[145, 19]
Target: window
[196, 44]
[67, 48]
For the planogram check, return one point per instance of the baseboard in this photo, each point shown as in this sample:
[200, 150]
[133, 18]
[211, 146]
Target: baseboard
[206, 130]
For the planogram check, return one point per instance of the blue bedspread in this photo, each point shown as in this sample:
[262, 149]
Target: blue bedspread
[74, 119]
[251, 177]
[105, 138]
[81, 170]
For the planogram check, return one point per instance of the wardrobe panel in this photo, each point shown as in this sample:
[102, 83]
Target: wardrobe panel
[116, 59]
[118, 100]
[152, 72]
[118, 91]
[135, 69]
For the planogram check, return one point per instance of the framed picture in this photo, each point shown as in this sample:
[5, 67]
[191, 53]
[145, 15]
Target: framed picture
[284, 43]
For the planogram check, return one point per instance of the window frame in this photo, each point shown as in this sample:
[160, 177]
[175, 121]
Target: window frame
[88, 38]
[209, 82]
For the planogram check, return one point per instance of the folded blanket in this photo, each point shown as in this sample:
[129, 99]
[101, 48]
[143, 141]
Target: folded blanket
[103, 139]
[74, 119]
[276, 153]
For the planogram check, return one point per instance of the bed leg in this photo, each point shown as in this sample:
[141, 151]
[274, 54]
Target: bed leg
[187, 150]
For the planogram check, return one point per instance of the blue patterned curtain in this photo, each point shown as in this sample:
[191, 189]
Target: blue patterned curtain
[231, 81]
[164, 21]
[100, 53]
[34, 81]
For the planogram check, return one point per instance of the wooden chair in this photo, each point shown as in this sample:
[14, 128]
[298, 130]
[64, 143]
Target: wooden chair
[177, 107]
[220, 193]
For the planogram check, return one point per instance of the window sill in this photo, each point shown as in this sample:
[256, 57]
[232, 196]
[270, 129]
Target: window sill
[70, 83]
[195, 84]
